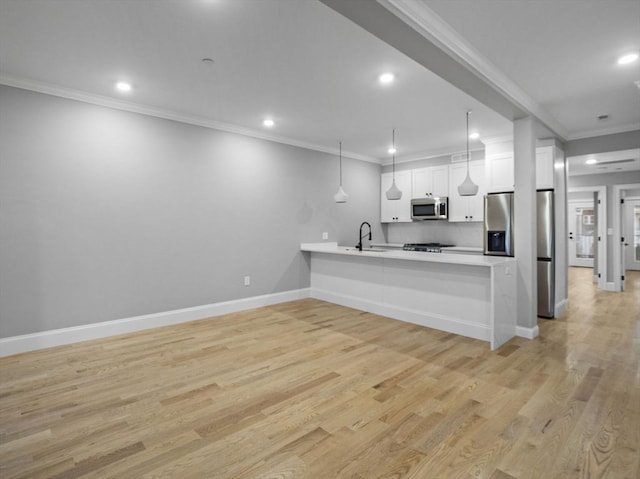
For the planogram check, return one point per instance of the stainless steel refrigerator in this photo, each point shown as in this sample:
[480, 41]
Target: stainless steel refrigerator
[498, 240]
[546, 254]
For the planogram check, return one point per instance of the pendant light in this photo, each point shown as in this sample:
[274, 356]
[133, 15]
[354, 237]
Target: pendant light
[468, 187]
[340, 196]
[394, 193]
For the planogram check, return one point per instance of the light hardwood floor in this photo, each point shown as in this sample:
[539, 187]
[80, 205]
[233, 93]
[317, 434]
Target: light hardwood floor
[313, 390]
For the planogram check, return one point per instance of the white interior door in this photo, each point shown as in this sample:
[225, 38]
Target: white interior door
[631, 234]
[582, 233]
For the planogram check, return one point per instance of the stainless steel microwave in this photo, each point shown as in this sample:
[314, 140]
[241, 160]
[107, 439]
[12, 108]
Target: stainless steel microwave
[430, 208]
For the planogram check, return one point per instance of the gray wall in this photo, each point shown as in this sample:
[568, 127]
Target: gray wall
[106, 214]
[603, 144]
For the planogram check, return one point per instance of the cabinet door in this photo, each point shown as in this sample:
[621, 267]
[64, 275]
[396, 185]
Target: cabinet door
[500, 173]
[440, 180]
[458, 205]
[475, 205]
[544, 168]
[466, 208]
[420, 183]
[394, 211]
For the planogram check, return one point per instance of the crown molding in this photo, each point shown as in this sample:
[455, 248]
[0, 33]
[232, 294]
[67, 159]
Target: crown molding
[117, 104]
[431, 26]
[430, 156]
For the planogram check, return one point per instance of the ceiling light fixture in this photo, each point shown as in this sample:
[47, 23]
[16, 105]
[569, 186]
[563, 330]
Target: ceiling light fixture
[391, 150]
[468, 187]
[340, 196]
[628, 58]
[268, 122]
[394, 193]
[386, 78]
[474, 136]
[123, 86]
[591, 161]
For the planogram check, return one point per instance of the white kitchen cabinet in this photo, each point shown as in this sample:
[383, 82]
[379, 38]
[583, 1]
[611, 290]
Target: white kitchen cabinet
[396, 211]
[544, 168]
[467, 208]
[431, 181]
[500, 172]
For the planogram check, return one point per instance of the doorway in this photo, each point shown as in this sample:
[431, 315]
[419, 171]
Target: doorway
[631, 233]
[624, 204]
[582, 233]
[587, 238]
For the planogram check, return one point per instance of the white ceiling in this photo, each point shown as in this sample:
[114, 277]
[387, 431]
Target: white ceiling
[315, 72]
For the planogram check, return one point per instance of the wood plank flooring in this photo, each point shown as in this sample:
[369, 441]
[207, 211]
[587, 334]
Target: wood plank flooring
[308, 389]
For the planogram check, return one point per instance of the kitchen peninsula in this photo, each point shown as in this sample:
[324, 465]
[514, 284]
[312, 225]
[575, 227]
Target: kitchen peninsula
[470, 295]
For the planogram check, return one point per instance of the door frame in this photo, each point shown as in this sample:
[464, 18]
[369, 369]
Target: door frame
[572, 205]
[629, 212]
[602, 228]
[616, 284]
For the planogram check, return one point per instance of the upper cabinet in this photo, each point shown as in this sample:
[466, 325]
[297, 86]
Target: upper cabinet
[467, 208]
[431, 181]
[500, 163]
[396, 211]
[544, 167]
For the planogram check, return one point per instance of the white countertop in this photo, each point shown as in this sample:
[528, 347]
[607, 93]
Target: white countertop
[451, 258]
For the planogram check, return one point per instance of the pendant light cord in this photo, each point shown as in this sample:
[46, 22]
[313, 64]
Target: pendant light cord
[340, 163]
[393, 145]
[468, 155]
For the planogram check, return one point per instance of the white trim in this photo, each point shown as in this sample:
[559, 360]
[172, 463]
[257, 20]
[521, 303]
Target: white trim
[100, 100]
[59, 337]
[431, 26]
[443, 323]
[561, 307]
[442, 153]
[528, 333]
[602, 228]
[611, 287]
[617, 233]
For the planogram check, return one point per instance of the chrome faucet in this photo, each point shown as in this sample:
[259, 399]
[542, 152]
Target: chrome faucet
[360, 236]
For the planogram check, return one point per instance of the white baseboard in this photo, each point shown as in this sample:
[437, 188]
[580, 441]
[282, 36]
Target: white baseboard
[610, 287]
[561, 307]
[450, 325]
[58, 337]
[528, 333]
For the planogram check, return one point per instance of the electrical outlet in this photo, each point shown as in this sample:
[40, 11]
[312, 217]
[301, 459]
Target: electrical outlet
[247, 280]
[325, 235]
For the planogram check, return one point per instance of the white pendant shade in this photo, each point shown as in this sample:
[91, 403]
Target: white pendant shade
[340, 196]
[393, 193]
[468, 187]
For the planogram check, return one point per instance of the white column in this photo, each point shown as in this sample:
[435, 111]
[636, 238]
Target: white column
[525, 221]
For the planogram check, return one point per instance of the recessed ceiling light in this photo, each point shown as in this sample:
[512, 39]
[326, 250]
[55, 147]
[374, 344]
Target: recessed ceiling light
[268, 122]
[208, 61]
[386, 78]
[392, 150]
[123, 86]
[591, 161]
[628, 58]
[603, 117]
[474, 136]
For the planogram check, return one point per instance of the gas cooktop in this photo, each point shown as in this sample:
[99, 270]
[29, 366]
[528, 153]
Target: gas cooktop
[426, 247]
